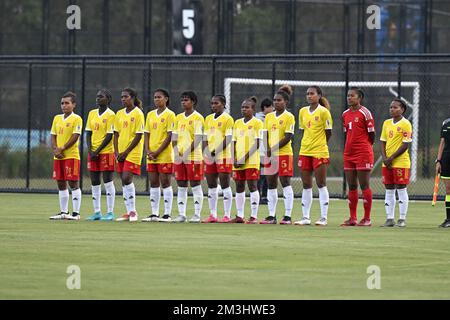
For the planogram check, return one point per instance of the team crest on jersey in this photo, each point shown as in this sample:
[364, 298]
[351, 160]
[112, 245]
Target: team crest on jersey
[162, 120]
[104, 120]
[190, 122]
[316, 118]
[219, 124]
[356, 119]
[399, 129]
[68, 124]
[132, 119]
[249, 127]
[281, 121]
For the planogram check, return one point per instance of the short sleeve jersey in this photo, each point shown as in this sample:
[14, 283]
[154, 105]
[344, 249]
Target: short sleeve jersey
[216, 129]
[357, 125]
[445, 134]
[395, 134]
[277, 127]
[100, 125]
[128, 124]
[63, 129]
[185, 129]
[245, 135]
[314, 124]
[159, 126]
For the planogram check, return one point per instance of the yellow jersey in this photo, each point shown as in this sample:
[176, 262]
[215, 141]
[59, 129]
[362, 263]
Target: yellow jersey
[277, 127]
[128, 125]
[159, 126]
[100, 125]
[216, 129]
[314, 141]
[63, 129]
[245, 134]
[186, 128]
[394, 134]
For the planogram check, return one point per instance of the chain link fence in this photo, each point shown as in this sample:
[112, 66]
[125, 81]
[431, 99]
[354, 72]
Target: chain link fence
[31, 87]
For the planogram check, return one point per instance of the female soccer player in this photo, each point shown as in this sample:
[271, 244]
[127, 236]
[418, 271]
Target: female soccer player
[128, 146]
[218, 161]
[99, 133]
[65, 133]
[443, 167]
[159, 151]
[394, 142]
[187, 139]
[279, 126]
[246, 138]
[359, 127]
[316, 123]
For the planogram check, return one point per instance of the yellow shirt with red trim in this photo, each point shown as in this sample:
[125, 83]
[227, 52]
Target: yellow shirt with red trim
[100, 125]
[128, 125]
[277, 127]
[216, 129]
[63, 129]
[185, 129]
[395, 134]
[245, 134]
[314, 124]
[159, 126]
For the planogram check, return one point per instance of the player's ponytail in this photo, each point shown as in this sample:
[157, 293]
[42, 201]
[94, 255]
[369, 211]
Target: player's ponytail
[285, 91]
[402, 104]
[133, 94]
[359, 92]
[322, 100]
[165, 93]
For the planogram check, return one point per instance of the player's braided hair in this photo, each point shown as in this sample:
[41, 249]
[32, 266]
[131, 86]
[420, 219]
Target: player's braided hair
[165, 94]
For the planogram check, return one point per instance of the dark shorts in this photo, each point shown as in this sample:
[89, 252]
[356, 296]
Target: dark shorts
[445, 166]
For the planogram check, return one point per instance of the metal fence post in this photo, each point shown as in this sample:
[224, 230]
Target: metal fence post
[83, 86]
[213, 71]
[30, 89]
[399, 80]
[274, 74]
[344, 107]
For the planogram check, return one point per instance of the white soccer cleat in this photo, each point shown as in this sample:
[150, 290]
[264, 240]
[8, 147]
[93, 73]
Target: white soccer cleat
[125, 217]
[151, 218]
[133, 216]
[179, 219]
[73, 217]
[59, 216]
[195, 219]
[321, 222]
[303, 222]
[165, 218]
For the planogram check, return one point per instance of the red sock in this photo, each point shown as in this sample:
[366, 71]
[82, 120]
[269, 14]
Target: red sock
[353, 203]
[367, 201]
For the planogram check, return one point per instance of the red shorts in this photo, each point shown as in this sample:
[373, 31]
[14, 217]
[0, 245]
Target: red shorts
[363, 162]
[104, 162]
[246, 174]
[128, 167]
[188, 171]
[281, 165]
[160, 167]
[308, 163]
[67, 169]
[225, 166]
[395, 175]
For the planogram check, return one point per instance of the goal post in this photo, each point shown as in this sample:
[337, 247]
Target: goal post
[390, 85]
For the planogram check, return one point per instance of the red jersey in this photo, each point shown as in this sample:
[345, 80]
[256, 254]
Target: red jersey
[357, 125]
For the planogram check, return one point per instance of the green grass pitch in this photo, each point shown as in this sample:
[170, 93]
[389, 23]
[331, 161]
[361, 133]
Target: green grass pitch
[216, 261]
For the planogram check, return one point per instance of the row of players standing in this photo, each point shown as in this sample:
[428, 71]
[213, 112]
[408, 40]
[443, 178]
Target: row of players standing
[173, 144]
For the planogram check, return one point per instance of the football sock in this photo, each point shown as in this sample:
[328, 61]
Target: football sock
[324, 200]
[254, 203]
[96, 197]
[168, 200]
[240, 203]
[64, 200]
[288, 195]
[110, 195]
[307, 198]
[198, 199]
[353, 203]
[367, 202]
[227, 201]
[389, 203]
[76, 200]
[272, 198]
[403, 201]
[447, 205]
[155, 195]
[131, 197]
[212, 201]
[181, 200]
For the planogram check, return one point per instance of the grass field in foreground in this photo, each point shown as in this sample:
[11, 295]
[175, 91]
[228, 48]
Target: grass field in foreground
[216, 261]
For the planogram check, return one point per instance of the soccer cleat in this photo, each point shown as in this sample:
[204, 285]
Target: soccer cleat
[151, 218]
[286, 220]
[445, 224]
[124, 217]
[108, 217]
[211, 219]
[73, 216]
[59, 216]
[195, 219]
[389, 223]
[165, 218]
[263, 201]
[269, 220]
[252, 220]
[179, 219]
[94, 217]
[303, 222]
[225, 219]
[321, 222]
[349, 223]
[133, 216]
[364, 223]
[401, 223]
[237, 220]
